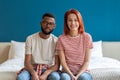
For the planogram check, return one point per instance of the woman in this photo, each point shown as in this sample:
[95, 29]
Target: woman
[73, 48]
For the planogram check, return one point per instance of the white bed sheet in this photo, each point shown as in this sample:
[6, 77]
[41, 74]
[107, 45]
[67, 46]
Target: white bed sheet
[104, 62]
[12, 65]
[105, 68]
[96, 62]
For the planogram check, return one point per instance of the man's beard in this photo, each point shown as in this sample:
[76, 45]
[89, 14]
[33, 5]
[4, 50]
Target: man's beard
[47, 33]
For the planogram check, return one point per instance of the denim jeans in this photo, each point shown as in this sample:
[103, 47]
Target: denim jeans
[84, 76]
[25, 75]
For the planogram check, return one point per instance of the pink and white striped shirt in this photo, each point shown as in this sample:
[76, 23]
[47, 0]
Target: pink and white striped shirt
[74, 49]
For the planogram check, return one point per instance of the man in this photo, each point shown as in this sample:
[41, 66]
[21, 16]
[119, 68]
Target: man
[41, 60]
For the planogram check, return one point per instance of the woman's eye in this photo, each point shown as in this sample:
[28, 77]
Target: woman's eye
[69, 20]
[76, 20]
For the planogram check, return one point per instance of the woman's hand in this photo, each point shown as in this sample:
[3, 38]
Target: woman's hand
[74, 77]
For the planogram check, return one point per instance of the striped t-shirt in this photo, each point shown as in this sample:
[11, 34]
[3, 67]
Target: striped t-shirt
[74, 49]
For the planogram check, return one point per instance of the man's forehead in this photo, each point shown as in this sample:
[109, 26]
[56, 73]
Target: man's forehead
[48, 19]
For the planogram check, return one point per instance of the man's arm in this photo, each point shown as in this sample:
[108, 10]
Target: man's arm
[30, 67]
[55, 67]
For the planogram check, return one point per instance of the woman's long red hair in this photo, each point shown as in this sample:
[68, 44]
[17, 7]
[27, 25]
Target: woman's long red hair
[77, 13]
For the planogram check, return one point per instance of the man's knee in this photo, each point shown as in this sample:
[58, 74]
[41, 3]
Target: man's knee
[24, 75]
[19, 77]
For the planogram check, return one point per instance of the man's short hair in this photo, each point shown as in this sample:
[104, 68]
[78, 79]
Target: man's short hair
[48, 15]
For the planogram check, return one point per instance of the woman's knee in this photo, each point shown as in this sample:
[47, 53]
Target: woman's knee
[85, 76]
[54, 76]
[65, 76]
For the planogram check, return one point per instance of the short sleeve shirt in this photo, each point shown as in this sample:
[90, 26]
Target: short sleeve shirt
[42, 50]
[74, 49]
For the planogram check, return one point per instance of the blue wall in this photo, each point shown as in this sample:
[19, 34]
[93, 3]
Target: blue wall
[20, 18]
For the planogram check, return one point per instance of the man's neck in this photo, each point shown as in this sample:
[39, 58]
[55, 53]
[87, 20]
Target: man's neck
[44, 36]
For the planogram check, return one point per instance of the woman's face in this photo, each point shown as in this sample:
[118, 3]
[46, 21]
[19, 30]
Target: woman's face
[72, 22]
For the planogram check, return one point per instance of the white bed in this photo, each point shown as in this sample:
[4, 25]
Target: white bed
[104, 68]
[9, 69]
[12, 65]
[101, 67]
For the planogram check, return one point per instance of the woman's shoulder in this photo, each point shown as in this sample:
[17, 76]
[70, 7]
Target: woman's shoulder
[62, 36]
[87, 34]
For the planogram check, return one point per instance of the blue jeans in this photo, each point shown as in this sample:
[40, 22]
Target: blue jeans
[84, 76]
[25, 75]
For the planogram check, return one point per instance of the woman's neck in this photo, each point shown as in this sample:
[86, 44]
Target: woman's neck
[74, 34]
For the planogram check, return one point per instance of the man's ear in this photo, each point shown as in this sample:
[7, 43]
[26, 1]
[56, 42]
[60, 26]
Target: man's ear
[54, 26]
[40, 23]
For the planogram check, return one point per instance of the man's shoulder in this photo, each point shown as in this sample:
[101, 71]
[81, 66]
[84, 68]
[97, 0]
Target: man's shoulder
[53, 36]
[33, 35]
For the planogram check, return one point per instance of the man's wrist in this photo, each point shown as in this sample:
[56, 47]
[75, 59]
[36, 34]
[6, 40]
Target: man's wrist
[33, 72]
[47, 72]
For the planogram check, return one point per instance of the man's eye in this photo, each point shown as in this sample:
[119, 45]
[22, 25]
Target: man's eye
[48, 23]
[51, 23]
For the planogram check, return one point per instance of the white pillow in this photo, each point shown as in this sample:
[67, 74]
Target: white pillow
[17, 50]
[97, 49]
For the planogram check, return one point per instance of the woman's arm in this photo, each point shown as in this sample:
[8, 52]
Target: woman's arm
[63, 62]
[86, 62]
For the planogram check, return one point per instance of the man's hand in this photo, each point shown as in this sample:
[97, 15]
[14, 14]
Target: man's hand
[43, 77]
[35, 76]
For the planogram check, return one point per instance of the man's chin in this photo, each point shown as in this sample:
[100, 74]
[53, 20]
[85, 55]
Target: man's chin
[46, 33]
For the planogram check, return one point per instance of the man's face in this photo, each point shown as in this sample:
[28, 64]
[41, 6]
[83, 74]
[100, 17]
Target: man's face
[47, 25]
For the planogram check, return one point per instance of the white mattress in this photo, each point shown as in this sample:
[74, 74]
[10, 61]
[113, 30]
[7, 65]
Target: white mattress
[104, 68]
[12, 65]
[104, 62]
[106, 74]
